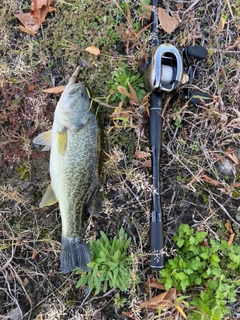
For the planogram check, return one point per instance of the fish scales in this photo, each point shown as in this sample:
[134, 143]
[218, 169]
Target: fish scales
[79, 167]
[74, 169]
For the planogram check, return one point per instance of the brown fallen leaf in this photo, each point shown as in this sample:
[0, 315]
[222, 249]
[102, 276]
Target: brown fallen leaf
[120, 115]
[161, 300]
[147, 164]
[230, 240]
[123, 90]
[129, 315]
[34, 254]
[54, 90]
[141, 154]
[153, 283]
[33, 20]
[230, 153]
[40, 9]
[133, 92]
[209, 180]
[31, 87]
[231, 233]
[168, 24]
[179, 5]
[29, 23]
[93, 50]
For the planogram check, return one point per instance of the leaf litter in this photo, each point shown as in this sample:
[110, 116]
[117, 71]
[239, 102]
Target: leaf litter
[32, 21]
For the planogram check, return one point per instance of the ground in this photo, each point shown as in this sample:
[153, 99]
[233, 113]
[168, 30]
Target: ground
[201, 146]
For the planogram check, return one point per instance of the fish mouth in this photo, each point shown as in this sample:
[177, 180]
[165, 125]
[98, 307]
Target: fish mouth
[79, 88]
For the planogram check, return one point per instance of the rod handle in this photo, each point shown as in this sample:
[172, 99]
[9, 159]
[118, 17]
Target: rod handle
[156, 245]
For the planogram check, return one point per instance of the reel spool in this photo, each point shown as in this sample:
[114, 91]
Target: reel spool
[165, 70]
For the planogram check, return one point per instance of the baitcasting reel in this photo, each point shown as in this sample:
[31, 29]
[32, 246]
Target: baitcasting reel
[167, 70]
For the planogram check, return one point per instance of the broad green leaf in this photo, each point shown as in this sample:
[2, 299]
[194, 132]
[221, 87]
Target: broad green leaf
[200, 236]
[104, 238]
[168, 283]
[196, 264]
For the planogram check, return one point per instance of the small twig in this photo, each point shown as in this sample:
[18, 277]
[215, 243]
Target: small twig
[224, 210]
[191, 6]
[9, 260]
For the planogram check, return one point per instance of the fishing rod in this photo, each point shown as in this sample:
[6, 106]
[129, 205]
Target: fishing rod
[164, 72]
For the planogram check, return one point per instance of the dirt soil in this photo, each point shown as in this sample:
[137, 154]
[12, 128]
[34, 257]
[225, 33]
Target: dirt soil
[200, 155]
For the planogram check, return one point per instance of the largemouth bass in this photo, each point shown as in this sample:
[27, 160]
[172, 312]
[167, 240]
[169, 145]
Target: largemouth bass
[74, 169]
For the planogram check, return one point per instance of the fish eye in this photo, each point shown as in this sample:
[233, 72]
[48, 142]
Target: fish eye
[84, 95]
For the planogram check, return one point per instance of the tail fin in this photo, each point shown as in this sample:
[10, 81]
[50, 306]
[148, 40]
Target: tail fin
[75, 253]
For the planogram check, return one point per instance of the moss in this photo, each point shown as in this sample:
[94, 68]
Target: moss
[126, 140]
[80, 25]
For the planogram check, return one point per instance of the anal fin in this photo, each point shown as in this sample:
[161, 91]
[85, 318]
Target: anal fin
[49, 198]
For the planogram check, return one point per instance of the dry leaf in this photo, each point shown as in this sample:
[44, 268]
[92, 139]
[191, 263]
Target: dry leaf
[141, 154]
[153, 283]
[120, 115]
[54, 90]
[231, 237]
[235, 185]
[34, 254]
[230, 230]
[146, 12]
[180, 310]
[161, 300]
[31, 87]
[29, 23]
[130, 315]
[25, 283]
[122, 90]
[179, 5]
[230, 153]
[93, 50]
[229, 227]
[133, 92]
[209, 180]
[147, 164]
[168, 24]
[33, 20]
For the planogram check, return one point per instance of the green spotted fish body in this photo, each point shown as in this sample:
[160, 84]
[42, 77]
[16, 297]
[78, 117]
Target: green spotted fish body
[74, 169]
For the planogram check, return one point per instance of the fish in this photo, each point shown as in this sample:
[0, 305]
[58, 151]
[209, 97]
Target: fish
[75, 151]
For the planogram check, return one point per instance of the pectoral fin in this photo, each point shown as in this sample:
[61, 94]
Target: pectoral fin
[44, 139]
[95, 200]
[62, 142]
[49, 198]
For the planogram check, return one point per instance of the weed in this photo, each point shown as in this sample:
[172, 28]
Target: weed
[122, 77]
[110, 264]
[210, 264]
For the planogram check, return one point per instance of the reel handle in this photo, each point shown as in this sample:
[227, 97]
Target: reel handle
[198, 52]
[200, 98]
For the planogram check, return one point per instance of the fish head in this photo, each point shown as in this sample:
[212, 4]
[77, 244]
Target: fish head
[75, 98]
[74, 102]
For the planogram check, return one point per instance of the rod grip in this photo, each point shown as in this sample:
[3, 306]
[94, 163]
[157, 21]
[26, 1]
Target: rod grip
[156, 245]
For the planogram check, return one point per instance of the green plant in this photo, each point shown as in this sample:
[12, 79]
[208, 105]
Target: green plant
[110, 265]
[212, 264]
[121, 78]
